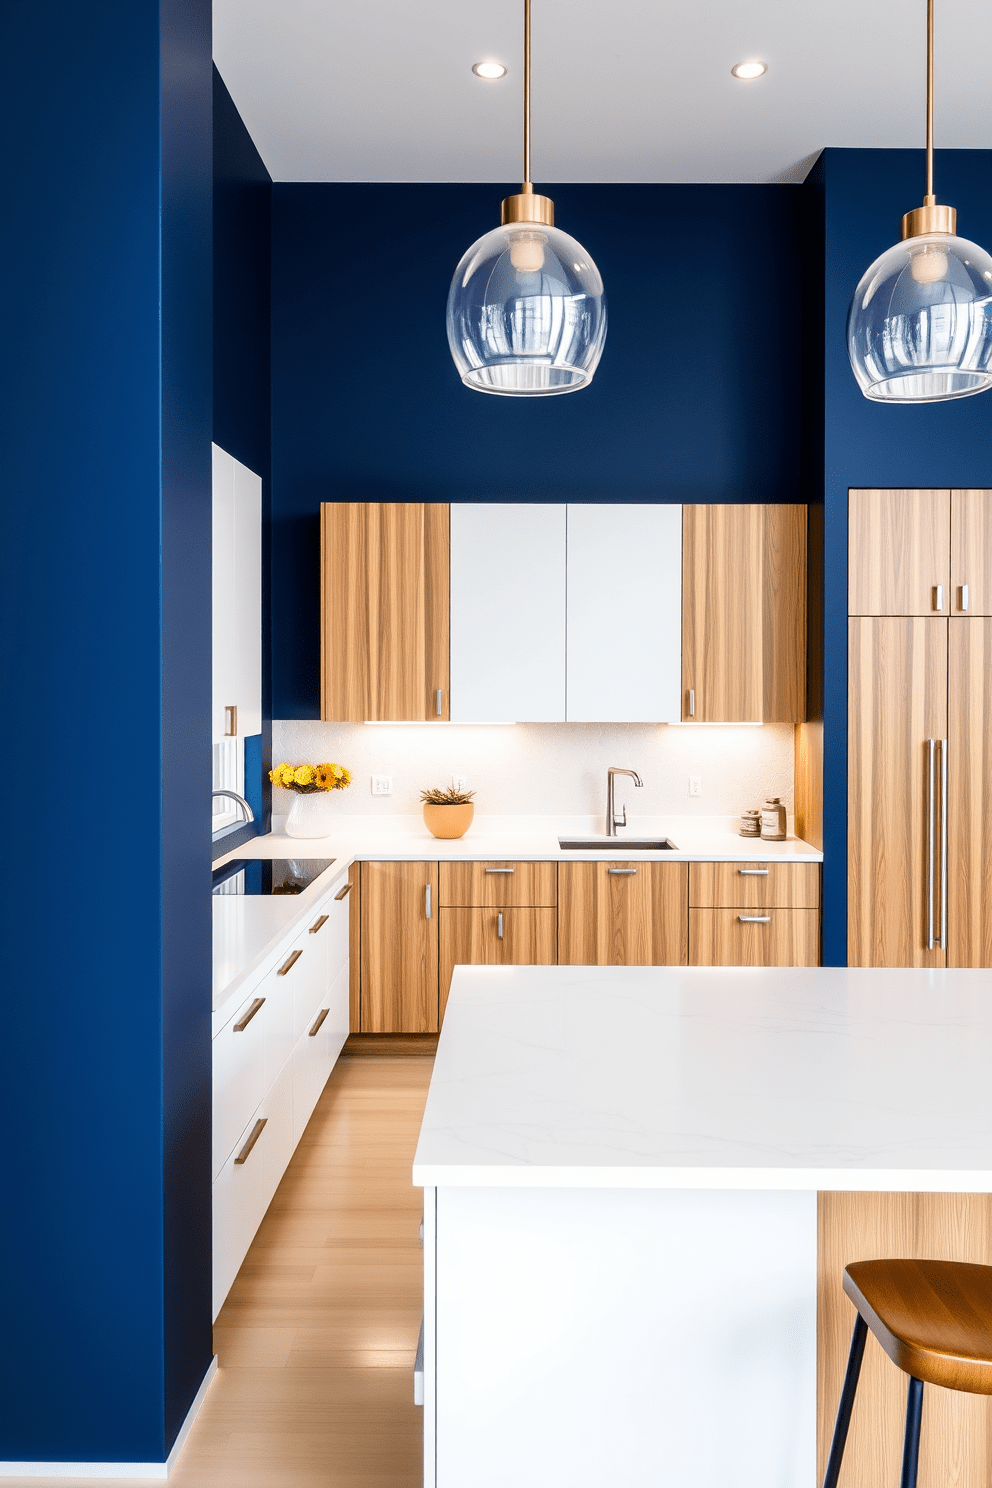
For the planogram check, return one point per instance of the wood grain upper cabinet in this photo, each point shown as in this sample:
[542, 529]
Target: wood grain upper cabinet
[507, 613]
[744, 614]
[971, 553]
[969, 803]
[384, 611]
[899, 552]
[897, 703]
[623, 914]
[624, 614]
[399, 947]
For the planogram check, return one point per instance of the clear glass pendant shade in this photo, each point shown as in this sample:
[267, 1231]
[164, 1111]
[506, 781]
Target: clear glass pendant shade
[920, 326]
[526, 313]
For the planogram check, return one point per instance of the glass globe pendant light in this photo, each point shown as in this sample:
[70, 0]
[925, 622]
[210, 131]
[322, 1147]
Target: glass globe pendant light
[526, 309]
[920, 326]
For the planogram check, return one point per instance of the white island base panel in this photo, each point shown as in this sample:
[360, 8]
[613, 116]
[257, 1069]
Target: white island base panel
[622, 1337]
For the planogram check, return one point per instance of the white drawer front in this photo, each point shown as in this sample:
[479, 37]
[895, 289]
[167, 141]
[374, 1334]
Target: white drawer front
[239, 1202]
[315, 1054]
[239, 1080]
[299, 968]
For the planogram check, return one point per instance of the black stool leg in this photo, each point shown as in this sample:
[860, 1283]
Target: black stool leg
[911, 1441]
[846, 1405]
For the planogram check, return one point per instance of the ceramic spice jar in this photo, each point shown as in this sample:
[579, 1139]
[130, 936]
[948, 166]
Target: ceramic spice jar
[750, 824]
[773, 823]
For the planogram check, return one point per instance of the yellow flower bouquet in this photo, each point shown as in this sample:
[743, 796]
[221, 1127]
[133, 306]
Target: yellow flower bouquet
[307, 780]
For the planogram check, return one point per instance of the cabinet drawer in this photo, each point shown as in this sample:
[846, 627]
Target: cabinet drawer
[315, 1054]
[328, 927]
[498, 882]
[239, 1071]
[776, 937]
[495, 937]
[765, 885]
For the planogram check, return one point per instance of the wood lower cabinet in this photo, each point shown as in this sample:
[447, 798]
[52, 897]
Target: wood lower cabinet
[623, 914]
[754, 937]
[495, 937]
[498, 884]
[399, 952]
[743, 614]
[761, 885]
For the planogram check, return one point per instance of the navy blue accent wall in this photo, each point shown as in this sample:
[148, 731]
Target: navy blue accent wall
[862, 195]
[242, 374]
[105, 584]
[697, 397]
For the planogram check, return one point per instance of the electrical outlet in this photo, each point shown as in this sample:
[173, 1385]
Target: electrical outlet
[382, 785]
[459, 782]
[695, 785]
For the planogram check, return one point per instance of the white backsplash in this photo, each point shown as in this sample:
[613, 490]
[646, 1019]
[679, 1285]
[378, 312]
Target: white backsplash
[548, 768]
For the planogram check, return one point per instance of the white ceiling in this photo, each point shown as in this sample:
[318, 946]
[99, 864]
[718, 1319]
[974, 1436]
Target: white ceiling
[623, 90]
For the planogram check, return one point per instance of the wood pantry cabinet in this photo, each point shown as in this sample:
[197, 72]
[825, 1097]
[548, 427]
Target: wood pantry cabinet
[399, 948]
[384, 611]
[920, 720]
[622, 914]
[743, 614]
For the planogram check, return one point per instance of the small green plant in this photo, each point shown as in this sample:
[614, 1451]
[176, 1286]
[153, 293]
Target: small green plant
[450, 797]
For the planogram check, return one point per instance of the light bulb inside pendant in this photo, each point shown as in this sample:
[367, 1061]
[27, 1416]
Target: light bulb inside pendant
[527, 252]
[929, 266]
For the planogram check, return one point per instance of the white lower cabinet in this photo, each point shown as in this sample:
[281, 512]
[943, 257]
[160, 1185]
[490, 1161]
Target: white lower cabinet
[271, 1062]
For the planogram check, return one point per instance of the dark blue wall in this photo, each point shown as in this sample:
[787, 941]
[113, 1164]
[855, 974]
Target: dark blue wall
[697, 397]
[862, 195]
[242, 376]
[105, 584]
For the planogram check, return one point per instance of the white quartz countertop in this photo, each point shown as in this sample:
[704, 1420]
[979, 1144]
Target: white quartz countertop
[696, 1077]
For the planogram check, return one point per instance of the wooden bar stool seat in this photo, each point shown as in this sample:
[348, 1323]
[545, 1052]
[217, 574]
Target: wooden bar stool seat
[934, 1320]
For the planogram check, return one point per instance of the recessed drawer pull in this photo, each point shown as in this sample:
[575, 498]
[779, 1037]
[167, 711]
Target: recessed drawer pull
[318, 925]
[344, 892]
[256, 1132]
[755, 919]
[622, 872]
[242, 1023]
[289, 963]
[500, 870]
[753, 872]
[316, 1027]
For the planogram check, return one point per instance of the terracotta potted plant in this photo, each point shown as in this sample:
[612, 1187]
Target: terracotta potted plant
[448, 813]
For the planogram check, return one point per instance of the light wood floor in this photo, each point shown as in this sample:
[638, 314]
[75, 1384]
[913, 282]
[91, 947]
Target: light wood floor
[317, 1339]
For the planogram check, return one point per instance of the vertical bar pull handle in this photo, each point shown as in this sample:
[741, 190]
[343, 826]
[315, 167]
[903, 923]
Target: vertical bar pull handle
[943, 844]
[440, 693]
[499, 925]
[931, 866]
[231, 721]
[427, 902]
[964, 596]
[938, 596]
[692, 702]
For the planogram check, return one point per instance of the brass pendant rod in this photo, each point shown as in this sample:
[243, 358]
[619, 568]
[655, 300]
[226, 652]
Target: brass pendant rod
[526, 181]
[930, 198]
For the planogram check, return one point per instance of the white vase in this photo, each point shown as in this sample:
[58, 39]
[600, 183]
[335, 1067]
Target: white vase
[310, 816]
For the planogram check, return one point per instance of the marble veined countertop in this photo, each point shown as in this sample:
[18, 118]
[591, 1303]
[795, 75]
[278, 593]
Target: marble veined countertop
[698, 1077]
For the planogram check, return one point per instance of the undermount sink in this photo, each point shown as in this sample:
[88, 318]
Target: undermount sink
[615, 844]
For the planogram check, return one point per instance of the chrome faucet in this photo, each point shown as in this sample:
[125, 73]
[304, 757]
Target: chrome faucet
[249, 815]
[612, 820]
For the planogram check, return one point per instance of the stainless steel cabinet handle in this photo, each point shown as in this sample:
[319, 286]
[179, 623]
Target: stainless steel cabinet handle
[230, 721]
[500, 870]
[499, 926]
[344, 892]
[242, 1023]
[943, 844]
[964, 596]
[253, 1137]
[289, 963]
[439, 709]
[931, 865]
[316, 1027]
[938, 596]
[427, 902]
[753, 872]
[692, 702]
[755, 919]
[318, 925]
[622, 872]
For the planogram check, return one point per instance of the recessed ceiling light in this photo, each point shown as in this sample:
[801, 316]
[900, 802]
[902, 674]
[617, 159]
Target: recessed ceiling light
[747, 70]
[489, 70]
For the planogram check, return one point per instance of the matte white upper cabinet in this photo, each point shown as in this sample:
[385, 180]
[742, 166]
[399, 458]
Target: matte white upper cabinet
[624, 614]
[237, 599]
[507, 613]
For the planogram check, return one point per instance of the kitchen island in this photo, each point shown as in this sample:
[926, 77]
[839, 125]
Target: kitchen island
[641, 1186]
